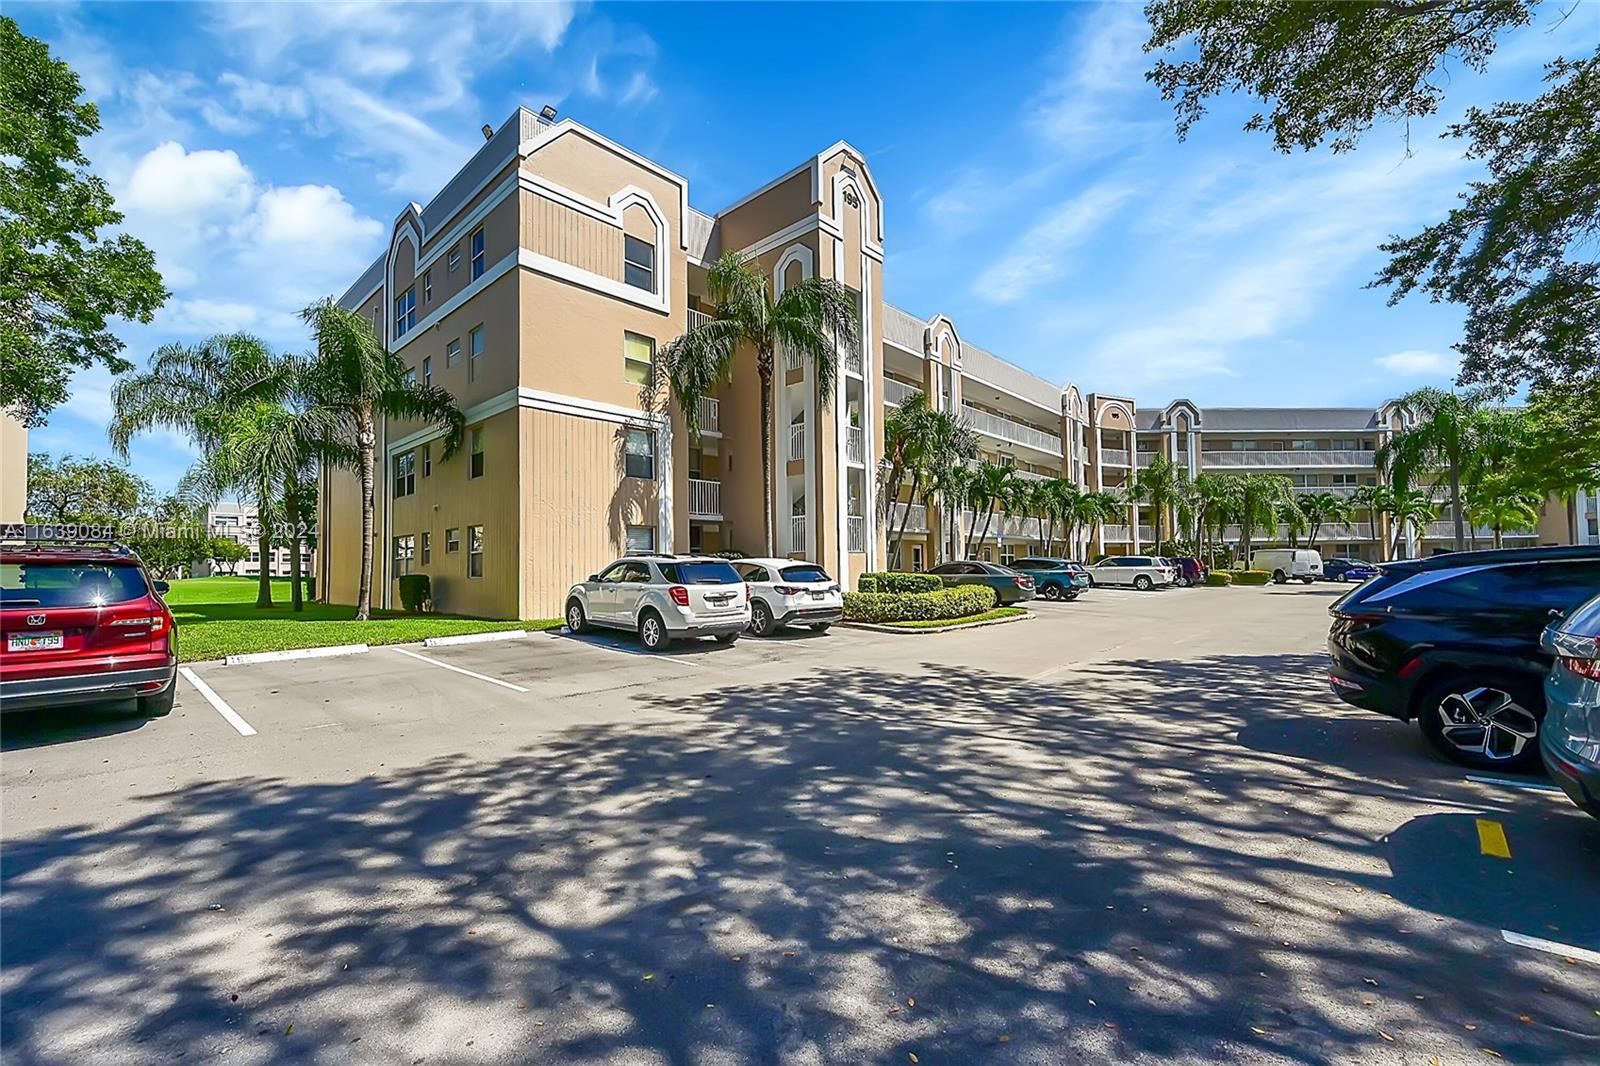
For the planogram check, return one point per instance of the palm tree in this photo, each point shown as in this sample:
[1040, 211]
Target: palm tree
[1408, 507]
[811, 319]
[1322, 507]
[1439, 440]
[909, 435]
[356, 382]
[993, 487]
[190, 389]
[1159, 485]
[1495, 500]
[1053, 500]
[1377, 499]
[952, 484]
[1214, 497]
[1257, 501]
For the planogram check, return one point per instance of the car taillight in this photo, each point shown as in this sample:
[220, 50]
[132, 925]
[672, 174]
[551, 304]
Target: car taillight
[1589, 668]
[156, 622]
[680, 595]
[786, 590]
[1022, 582]
[747, 593]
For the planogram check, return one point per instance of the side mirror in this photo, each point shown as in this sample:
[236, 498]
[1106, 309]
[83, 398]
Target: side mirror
[592, 577]
[161, 587]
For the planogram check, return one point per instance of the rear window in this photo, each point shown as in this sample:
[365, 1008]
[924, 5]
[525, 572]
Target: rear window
[56, 584]
[804, 573]
[700, 573]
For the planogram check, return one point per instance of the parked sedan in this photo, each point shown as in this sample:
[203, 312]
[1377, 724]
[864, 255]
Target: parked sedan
[663, 597]
[1191, 571]
[1055, 579]
[1009, 585]
[790, 592]
[1453, 641]
[1142, 572]
[1570, 736]
[1356, 570]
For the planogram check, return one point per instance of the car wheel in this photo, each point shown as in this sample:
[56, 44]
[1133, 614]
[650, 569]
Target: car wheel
[761, 623]
[159, 705]
[820, 627]
[1483, 720]
[1142, 583]
[1279, 577]
[1070, 596]
[653, 632]
[727, 638]
[1308, 580]
[576, 621]
[1051, 592]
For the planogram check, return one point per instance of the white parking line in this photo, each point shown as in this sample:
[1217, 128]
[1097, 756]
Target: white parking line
[459, 670]
[1538, 944]
[640, 653]
[245, 728]
[1527, 786]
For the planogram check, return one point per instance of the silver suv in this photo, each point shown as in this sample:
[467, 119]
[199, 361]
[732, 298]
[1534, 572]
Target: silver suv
[661, 598]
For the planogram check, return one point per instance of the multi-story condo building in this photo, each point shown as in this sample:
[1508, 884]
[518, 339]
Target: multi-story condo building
[240, 522]
[13, 468]
[537, 287]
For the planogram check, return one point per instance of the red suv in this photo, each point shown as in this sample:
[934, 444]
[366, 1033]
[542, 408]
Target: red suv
[82, 624]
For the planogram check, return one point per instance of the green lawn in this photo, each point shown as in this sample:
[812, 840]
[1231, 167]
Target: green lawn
[217, 616]
[935, 623]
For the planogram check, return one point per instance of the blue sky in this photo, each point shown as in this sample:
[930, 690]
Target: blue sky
[1035, 190]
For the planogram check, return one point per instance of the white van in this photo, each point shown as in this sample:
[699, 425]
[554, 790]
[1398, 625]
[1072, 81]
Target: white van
[1286, 564]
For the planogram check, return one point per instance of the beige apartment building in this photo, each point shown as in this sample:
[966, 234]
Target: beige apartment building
[539, 283]
[13, 468]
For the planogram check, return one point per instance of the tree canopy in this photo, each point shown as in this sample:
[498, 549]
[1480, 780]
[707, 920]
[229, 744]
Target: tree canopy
[61, 278]
[74, 489]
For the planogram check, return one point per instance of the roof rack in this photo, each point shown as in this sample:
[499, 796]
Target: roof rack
[62, 535]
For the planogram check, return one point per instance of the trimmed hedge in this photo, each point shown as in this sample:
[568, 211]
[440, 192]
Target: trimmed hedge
[414, 591]
[1252, 577]
[882, 581]
[945, 604]
[1217, 579]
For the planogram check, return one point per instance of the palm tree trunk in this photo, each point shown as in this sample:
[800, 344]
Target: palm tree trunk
[764, 374]
[905, 516]
[369, 441]
[1499, 536]
[1455, 503]
[988, 517]
[291, 511]
[264, 573]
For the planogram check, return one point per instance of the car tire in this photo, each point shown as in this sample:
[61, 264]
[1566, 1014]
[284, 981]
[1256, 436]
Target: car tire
[1142, 583]
[577, 621]
[160, 704]
[820, 627]
[727, 638]
[1279, 577]
[1449, 711]
[761, 623]
[1308, 581]
[653, 633]
[1051, 592]
[1070, 596]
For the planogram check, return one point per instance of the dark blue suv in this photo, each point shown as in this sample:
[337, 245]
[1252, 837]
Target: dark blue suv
[1357, 570]
[1057, 579]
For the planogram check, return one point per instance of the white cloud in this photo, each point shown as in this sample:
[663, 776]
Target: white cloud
[1044, 251]
[169, 180]
[1418, 362]
[1086, 110]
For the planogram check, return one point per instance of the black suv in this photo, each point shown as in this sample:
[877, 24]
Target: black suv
[1453, 641]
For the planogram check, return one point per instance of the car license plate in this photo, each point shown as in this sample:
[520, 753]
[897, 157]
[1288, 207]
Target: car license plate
[818, 595]
[34, 641]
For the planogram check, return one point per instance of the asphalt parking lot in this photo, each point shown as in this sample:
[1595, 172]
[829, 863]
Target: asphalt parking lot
[1131, 828]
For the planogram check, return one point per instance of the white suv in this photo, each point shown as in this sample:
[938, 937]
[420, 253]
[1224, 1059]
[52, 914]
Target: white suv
[663, 597]
[790, 592]
[1140, 571]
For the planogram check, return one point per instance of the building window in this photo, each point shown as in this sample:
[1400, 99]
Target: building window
[405, 312]
[474, 353]
[405, 474]
[427, 370]
[409, 377]
[427, 548]
[474, 551]
[427, 287]
[639, 263]
[475, 468]
[477, 253]
[452, 541]
[638, 356]
[639, 458]
[1243, 445]
[452, 352]
[916, 558]
[1303, 445]
[427, 460]
[405, 549]
[641, 539]
[454, 261]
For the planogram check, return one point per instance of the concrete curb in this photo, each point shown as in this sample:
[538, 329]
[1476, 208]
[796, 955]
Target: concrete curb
[475, 638]
[294, 653]
[918, 631]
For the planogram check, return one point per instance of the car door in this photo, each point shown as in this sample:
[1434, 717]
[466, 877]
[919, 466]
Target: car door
[760, 582]
[631, 587]
[602, 593]
[951, 573]
[1120, 572]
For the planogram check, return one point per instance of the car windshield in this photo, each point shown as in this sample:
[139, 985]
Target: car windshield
[804, 573]
[700, 573]
[66, 584]
[1585, 621]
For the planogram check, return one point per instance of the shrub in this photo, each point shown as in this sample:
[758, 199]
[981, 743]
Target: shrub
[953, 603]
[898, 582]
[1251, 577]
[414, 591]
[311, 586]
[1218, 579]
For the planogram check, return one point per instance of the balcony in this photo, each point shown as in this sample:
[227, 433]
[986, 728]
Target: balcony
[1145, 458]
[897, 392]
[1446, 530]
[1113, 457]
[852, 361]
[1328, 531]
[1147, 534]
[1117, 533]
[1006, 429]
[710, 415]
[792, 360]
[797, 533]
[856, 531]
[797, 442]
[1285, 458]
[697, 318]
[916, 520]
[705, 498]
[855, 445]
[1016, 527]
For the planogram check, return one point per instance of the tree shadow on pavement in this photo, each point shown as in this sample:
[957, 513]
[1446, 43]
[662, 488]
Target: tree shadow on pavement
[838, 867]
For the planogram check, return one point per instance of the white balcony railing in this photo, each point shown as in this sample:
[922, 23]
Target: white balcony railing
[1446, 530]
[856, 529]
[1113, 457]
[792, 360]
[855, 444]
[1117, 533]
[1284, 458]
[710, 415]
[1147, 534]
[1006, 429]
[797, 533]
[797, 442]
[1015, 527]
[1145, 458]
[916, 521]
[897, 392]
[705, 498]
[1328, 531]
[852, 361]
[697, 318]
